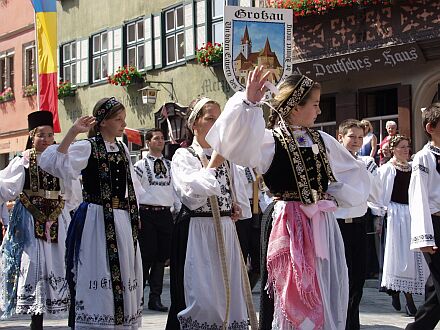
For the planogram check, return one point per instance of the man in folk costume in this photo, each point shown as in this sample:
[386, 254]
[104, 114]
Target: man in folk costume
[308, 172]
[154, 172]
[32, 255]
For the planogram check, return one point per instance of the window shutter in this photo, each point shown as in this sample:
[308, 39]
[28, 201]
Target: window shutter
[83, 61]
[148, 48]
[59, 61]
[201, 26]
[110, 52]
[117, 48]
[157, 40]
[188, 12]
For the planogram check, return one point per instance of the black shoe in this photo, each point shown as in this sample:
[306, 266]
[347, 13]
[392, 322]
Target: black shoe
[396, 301]
[157, 306]
[411, 309]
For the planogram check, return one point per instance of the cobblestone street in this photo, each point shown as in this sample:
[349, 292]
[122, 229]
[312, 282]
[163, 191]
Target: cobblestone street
[376, 312]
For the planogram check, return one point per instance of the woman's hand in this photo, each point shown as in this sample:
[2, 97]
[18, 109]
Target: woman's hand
[236, 212]
[83, 124]
[255, 88]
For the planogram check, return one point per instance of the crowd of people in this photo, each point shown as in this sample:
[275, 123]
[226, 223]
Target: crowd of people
[247, 200]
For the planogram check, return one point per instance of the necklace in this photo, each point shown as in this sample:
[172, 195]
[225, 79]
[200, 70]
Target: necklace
[401, 166]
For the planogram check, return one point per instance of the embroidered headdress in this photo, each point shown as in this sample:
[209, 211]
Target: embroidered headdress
[300, 90]
[105, 108]
[197, 107]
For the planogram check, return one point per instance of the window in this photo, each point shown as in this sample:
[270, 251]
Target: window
[136, 45]
[174, 35]
[69, 56]
[217, 18]
[7, 70]
[100, 56]
[29, 65]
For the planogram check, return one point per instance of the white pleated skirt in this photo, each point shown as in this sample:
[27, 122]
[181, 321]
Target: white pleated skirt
[403, 269]
[94, 307]
[204, 289]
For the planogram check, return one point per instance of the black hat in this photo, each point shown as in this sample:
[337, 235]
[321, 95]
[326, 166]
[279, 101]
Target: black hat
[36, 119]
[40, 118]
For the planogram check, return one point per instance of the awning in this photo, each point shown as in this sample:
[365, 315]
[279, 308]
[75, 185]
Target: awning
[13, 142]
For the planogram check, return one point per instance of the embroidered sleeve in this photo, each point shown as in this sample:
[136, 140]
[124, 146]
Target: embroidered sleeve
[421, 168]
[422, 231]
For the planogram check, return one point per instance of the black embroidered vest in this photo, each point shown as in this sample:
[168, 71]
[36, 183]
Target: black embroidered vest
[280, 178]
[91, 174]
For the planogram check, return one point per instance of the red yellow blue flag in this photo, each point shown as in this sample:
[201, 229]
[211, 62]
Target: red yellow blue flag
[46, 27]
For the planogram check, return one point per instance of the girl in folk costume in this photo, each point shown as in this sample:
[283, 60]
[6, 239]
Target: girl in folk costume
[104, 268]
[403, 269]
[208, 280]
[32, 265]
[309, 173]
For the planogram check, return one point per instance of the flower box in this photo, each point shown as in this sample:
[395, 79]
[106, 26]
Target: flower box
[7, 95]
[29, 90]
[210, 54]
[65, 89]
[314, 7]
[125, 76]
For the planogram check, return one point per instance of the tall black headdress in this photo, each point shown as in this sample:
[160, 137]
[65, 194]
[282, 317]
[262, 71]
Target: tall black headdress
[37, 119]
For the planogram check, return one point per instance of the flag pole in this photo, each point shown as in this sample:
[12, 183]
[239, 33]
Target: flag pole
[37, 72]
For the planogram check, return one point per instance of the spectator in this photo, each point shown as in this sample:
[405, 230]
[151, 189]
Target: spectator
[386, 154]
[391, 128]
[369, 144]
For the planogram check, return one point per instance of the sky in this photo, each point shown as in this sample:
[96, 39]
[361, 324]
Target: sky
[258, 32]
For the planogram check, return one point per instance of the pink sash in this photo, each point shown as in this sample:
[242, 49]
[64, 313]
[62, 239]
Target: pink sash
[291, 261]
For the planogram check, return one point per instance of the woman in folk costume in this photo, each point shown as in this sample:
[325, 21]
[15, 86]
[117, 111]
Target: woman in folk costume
[32, 265]
[209, 283]
[403, 269]
[104, 268]
[309, 173]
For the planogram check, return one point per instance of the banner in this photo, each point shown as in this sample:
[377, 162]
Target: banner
[133, 136]
[46, 31]
[255, 37]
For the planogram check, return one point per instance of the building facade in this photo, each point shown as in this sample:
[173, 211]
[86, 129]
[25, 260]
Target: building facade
[159, 38]
[378, 62]
[17, 76]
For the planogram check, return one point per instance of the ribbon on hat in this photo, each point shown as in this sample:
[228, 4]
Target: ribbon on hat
[300, 90]
[105, 108]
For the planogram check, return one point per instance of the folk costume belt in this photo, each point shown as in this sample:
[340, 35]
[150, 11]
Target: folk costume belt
[116, 202]
[153, 207]
[47, 194]
[44, 210]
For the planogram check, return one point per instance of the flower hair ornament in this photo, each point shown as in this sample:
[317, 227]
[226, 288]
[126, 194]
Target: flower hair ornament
[105, 108]
[197, 107]
[396, 139]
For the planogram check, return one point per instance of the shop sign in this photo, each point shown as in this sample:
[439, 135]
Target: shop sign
[361, 62]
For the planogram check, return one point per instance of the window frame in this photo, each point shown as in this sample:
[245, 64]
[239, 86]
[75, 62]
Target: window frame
[6, 73]
[100, 54]
[136, 44]
[72, 62]
[178, 31]
[29, 64]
